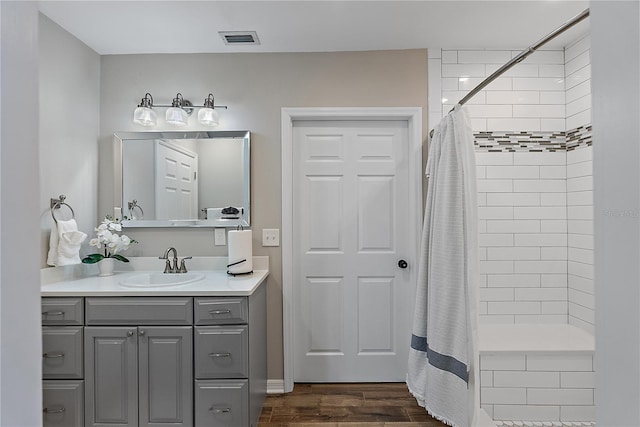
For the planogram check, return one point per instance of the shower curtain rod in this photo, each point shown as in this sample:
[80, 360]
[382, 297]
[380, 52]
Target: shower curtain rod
[522, 55]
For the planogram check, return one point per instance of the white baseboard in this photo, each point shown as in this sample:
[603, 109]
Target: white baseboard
[275, 386]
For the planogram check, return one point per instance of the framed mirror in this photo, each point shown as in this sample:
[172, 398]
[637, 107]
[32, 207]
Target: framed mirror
[183, 179]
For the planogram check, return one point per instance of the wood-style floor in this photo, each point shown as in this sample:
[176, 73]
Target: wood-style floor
[348, 405]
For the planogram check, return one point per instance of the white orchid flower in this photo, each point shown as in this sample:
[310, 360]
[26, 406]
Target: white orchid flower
[107, 236]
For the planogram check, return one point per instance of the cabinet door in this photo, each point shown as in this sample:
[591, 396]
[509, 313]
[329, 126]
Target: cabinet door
[166, 375]
[111, 376]
[62, 404]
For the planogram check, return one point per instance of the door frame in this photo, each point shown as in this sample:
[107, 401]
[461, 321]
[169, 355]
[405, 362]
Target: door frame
[413, 116]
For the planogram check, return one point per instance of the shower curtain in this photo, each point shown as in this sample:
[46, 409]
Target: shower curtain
[443, 359]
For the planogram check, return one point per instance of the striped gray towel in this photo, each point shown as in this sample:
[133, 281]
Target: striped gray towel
[442, 356]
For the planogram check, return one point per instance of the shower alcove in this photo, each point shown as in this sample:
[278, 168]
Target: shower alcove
[532, 129]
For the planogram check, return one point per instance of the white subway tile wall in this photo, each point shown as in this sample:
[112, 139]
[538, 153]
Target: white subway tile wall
[519, 253]
[578, 83]
[535, 203]
[580, 238]
[579, 188]
[523, 99]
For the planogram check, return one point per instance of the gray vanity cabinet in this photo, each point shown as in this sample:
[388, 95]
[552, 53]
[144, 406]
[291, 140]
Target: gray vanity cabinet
[138, 375]
[155, 361]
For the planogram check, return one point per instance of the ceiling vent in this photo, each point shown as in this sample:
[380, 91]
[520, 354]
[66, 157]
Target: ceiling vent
[239, 37]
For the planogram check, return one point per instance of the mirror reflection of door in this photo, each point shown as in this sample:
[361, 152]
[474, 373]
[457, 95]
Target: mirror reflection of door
[221, 177]
[176, 181]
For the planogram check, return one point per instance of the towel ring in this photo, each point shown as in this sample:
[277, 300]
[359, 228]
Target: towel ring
[132, 206]
[59, 202]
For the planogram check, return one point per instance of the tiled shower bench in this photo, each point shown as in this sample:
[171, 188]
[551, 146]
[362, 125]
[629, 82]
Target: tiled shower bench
[537, 375]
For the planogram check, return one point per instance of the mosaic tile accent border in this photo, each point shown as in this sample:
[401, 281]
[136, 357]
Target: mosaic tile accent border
[579, 137]
[519, 141]
[533, 142]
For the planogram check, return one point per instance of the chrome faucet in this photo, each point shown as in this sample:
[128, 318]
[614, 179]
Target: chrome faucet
[168, 268]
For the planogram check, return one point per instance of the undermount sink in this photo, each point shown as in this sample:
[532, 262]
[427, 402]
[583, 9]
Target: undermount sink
[147, 280]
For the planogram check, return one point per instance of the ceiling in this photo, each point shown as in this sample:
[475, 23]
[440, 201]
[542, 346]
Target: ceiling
[179, 26]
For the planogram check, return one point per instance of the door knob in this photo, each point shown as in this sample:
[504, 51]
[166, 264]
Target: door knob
[403, 264]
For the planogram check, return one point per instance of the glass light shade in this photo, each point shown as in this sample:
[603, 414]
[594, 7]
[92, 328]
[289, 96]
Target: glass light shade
[145, 116]
[208, 116]
[176, 116]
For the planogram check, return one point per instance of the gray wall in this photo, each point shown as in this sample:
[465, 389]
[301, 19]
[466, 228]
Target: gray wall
[255, 87]
[615, 48]
[69, 99]
[21, 348]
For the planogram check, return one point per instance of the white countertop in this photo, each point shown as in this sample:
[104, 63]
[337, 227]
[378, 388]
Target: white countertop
[84, 280]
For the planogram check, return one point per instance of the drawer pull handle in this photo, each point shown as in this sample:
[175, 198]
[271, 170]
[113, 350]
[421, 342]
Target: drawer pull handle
[53, 313]
[219, 311]
[220, 410]
[219, 354]
[53, 355]
[54, 411]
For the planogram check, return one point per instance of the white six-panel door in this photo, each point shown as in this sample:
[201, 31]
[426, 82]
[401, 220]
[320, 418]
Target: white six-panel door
[176, 182]
[352, 303]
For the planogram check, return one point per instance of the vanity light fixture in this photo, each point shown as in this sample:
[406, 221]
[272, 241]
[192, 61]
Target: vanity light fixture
[178, 112]
[144, 115]
[207, 114]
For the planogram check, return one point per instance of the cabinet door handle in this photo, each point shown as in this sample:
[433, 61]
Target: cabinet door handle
[220, 410]
[58, 410]
[219, 354]
[53, 313]
[130, 333]
[53, 355]
[141, 332]
[219, 311]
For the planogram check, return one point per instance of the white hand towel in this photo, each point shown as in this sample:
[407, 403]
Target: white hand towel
[69, 241]
[52, 256]
[69, 247]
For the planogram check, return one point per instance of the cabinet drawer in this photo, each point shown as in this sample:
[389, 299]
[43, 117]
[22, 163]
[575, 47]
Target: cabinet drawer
[62, 403]
[221, 311]
[62, 352]
[62, 311]
[222, 403]
[222, 351]
[139, 311]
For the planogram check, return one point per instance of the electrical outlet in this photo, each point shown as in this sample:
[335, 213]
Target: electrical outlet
[270, 237]
[220, 237]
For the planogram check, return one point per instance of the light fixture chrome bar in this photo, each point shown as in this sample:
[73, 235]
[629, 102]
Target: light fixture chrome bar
[190, 107]
[178, 112]
[522, 55]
